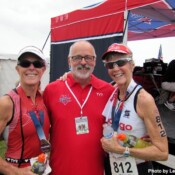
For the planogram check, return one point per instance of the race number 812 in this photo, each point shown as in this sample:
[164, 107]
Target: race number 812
[122, 167]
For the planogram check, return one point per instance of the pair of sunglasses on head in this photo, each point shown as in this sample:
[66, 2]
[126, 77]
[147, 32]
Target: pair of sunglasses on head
[27, 63]
[119, 63]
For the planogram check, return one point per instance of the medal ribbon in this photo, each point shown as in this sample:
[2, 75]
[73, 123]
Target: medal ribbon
[117, 114]
[45, 145]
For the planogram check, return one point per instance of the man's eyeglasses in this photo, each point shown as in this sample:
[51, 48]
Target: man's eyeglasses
[79, 58]
[27, 63]
[119, 63]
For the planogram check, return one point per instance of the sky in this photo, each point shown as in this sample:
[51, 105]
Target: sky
[24, 22]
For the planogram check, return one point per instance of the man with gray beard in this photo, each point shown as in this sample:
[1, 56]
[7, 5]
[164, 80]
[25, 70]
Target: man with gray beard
[75, 106]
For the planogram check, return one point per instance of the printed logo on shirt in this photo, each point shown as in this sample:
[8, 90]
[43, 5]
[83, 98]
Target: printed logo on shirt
[125, 127]
[99, 94]
[65, 99]
[127, 114]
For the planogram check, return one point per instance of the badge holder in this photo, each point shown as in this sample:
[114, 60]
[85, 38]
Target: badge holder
[81, 124]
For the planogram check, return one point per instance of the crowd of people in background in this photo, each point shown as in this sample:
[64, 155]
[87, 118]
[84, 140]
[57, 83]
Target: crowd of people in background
[168, 84]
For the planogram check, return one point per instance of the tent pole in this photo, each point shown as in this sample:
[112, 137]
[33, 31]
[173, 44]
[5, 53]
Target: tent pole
[125, 32]
[46, 41]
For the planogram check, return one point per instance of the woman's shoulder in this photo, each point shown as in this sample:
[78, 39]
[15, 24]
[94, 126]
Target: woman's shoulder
[144, 97]
[5, 100]
[6, 105]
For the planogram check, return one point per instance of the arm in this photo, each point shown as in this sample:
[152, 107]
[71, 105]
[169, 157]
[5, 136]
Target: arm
[6, 107]
[8, 169]
[148, 111]
[64, 76]
[169, 86]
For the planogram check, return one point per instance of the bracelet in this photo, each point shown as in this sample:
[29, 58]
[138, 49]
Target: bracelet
[126, 152]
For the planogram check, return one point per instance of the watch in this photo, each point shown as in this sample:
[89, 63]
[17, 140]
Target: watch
[126, 152]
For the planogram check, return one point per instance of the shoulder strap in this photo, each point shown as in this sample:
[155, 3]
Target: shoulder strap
[135, 98]
[13, 112]
[20, 117]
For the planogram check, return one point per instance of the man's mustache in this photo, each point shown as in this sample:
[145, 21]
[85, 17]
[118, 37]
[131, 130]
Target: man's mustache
[83, 67]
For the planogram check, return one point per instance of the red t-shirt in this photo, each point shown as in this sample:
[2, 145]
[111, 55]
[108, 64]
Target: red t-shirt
[74, 154]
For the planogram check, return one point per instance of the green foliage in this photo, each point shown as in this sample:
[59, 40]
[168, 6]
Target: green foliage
[2, 148]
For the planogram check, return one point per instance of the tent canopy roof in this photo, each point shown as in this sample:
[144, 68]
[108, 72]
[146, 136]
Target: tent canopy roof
[147, 19]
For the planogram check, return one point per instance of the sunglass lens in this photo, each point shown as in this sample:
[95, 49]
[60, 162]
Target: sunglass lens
[109, 65]
[25, 63]
[119, 63]
[38, 64]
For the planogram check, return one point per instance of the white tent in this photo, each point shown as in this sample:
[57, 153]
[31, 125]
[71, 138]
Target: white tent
[9, 76]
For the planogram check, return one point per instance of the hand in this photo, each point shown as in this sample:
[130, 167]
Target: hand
[64, 76]
[112, 145]
[19, 171]
[26, 171]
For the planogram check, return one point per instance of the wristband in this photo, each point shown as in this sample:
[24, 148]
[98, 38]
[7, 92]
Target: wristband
[126, 152]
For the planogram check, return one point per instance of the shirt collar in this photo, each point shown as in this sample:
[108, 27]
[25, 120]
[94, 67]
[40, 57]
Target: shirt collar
[20, 90]
[93, 82]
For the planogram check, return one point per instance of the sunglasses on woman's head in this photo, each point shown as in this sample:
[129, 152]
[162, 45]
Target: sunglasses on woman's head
[27, 63]
[119, 63]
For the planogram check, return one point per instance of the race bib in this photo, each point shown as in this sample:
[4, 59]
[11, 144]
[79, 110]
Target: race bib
[121, 165]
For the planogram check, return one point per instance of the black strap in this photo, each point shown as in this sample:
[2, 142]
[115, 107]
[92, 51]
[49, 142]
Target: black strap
[22, 137]
[13, 107]
[135, 98]
[13, 111]
[17, 161]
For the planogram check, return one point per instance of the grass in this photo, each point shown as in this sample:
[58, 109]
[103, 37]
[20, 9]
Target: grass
[2, 149]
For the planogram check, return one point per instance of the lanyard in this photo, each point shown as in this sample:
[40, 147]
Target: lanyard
[87, 97]
[118, 112]
[114, 103]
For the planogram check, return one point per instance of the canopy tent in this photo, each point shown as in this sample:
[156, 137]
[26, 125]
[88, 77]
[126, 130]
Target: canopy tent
[103, 23]
[107, 17]
[155, 20]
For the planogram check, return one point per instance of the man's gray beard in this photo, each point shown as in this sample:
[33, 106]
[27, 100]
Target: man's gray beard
[75, 71]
